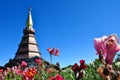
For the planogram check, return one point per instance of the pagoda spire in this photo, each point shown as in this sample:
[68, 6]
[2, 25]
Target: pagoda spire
[29, 22]
[28, 47]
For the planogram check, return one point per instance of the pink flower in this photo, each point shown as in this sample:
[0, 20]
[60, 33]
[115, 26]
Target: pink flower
[53, 51]
[18, 72]
[99, 45]
[48, 49]
[109, 46]
[57, 52]
[113, 47]
[23, 64]
[38, 60]
[59, 77]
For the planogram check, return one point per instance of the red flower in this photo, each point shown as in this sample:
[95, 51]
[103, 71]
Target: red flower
[82, 64]
[38, 61]
[1, 70]
[75, 68]
[52, 78]
[58, 77]
[29, 74]
[78, 69]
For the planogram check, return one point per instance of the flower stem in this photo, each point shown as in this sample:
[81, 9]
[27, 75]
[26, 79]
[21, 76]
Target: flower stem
[51, 58]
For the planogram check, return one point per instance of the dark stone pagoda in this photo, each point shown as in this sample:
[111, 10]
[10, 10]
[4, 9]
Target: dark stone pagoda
[28, 48]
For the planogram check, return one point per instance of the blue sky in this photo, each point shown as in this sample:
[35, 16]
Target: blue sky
[70, 25]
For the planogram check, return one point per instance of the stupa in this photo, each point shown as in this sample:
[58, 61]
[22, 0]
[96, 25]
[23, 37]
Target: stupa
[28, 48]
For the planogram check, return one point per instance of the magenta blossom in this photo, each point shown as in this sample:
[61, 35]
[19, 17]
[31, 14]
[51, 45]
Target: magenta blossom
[112, 47]
[99, 45]
[109, 46]
[38, 61]
[23, 64]
[53, 51]
[58, 77]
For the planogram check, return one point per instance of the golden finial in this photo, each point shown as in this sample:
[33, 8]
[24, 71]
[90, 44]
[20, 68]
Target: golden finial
[29, 22]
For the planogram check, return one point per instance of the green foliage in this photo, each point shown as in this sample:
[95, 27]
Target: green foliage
[67, 73]
[91, 72]
[69, 66]
[12, 76]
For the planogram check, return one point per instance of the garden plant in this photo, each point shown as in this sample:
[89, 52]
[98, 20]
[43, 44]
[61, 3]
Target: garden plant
[102, 68]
